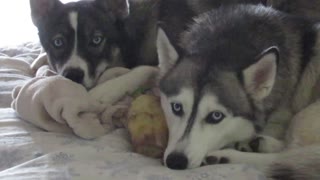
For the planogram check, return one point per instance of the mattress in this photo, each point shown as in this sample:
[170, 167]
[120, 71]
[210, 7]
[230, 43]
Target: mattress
[27, 152]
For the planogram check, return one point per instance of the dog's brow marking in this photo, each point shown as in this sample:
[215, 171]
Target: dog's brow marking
[75, 61]
[192, 119]
[73, 17]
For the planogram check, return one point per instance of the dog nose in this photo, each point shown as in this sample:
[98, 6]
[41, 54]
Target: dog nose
[177, 161]
[73, 74]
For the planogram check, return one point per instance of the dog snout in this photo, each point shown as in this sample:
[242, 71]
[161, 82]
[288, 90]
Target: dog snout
[74, 74]
[177, 161]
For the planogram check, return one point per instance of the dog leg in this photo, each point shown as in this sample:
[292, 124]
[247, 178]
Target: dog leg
[231, 156]
[260, 144]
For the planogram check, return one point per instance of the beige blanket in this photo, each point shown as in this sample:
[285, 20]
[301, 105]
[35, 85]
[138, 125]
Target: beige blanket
[57, 104]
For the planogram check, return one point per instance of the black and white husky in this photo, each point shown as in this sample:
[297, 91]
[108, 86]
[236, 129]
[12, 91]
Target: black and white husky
[238, 72]
[84, 38]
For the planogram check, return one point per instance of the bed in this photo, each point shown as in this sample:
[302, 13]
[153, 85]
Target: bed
[27, 152]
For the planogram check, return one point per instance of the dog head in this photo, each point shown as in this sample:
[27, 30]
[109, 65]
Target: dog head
[81, 38]
[211, 90]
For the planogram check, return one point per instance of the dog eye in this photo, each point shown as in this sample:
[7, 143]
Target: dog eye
[58, 42]
[97, 40]
[215, 117]
[177, 109]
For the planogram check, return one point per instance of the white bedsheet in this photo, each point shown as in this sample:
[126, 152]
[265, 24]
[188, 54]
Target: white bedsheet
[27, 152]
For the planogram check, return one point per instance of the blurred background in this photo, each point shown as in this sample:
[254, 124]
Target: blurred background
[15, 22]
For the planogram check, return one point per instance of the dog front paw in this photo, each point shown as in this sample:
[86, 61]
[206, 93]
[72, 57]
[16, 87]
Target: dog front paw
[220, 157]
[212, 160]
[260, 144]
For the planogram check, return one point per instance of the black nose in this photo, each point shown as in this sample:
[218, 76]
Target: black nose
[73, 74]
[177, 161]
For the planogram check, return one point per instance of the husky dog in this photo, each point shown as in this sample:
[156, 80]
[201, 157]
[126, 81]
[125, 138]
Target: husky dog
[84, 38]
[235, 69]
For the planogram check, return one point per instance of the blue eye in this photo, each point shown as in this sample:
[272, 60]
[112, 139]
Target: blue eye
[97, 40]
[58, 42]
[215, 117]
[177, 109]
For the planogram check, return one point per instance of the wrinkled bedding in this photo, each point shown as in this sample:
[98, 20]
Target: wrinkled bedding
[27, 152]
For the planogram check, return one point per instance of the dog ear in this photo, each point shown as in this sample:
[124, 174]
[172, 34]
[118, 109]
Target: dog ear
[259, 78]
[167, 54]
[120, 8]
[41, 9]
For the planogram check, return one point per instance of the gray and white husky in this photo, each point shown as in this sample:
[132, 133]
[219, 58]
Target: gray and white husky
[239, 71]
[84, 38]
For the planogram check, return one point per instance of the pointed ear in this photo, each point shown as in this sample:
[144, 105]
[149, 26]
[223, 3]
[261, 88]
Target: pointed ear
[167, 54]
[120, 8]
[41, 9]
[259, 78]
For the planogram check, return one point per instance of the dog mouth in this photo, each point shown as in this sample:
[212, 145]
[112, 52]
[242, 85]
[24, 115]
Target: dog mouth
[184, 158]
[82, 76]
[181, 161]
[74, 74]
[79, 76]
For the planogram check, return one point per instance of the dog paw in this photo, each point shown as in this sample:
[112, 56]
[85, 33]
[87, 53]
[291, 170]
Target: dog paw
[267, 144]
[243, 146]
[252, 145]
[260, 144]
[220, 157]
[211, 160]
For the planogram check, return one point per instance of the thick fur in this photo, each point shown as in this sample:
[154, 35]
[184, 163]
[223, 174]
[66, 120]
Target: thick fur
[294, 164]
[76, 26]
[128, 29]
[236, 69]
